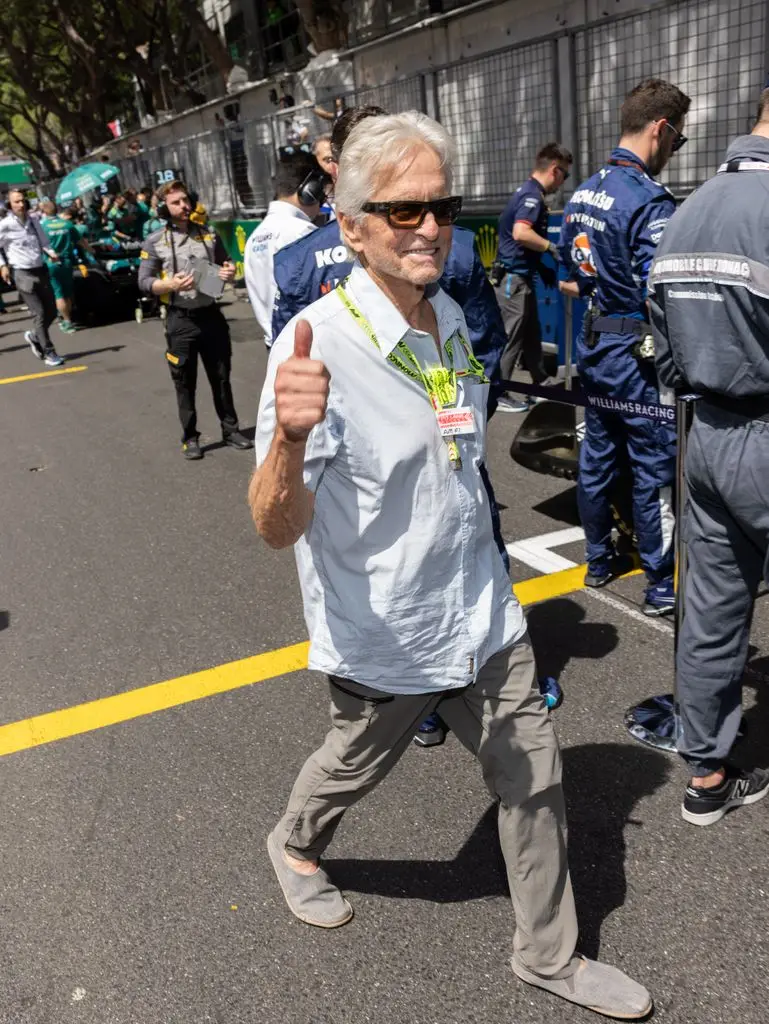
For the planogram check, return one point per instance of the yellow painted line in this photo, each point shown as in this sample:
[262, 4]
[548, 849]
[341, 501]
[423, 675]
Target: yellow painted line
[554, 584]
[58, 725]
[122, 707]
[37, 376]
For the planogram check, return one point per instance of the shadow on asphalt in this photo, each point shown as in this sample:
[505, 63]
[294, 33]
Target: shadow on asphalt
[559, 634]
[477, 872]
[69, 355]
[751, 750]
[562, 507]
[212, 446]
[93, 352]
[603, 782]
[5, 620]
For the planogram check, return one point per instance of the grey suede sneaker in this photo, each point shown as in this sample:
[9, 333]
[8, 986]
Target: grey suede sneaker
[314, 898]
[595, 986]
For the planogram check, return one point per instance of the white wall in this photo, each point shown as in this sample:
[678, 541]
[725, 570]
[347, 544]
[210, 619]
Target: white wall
[472, 35]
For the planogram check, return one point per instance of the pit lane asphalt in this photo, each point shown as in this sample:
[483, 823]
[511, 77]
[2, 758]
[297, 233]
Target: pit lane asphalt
[134, 883]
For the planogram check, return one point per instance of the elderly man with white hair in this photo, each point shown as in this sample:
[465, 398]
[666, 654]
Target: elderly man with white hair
[370, 434]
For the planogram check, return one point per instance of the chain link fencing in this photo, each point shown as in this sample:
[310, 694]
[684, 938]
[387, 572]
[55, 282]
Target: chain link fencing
[503, 106]
[714, 50]
[500, 109]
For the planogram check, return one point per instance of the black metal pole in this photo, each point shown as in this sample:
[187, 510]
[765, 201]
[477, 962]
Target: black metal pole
[655, 721]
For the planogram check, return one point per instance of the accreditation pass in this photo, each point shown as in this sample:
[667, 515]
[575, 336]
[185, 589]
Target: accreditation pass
[455, 421]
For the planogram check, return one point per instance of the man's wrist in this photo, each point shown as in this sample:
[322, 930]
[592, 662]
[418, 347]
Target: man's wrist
[292, 447]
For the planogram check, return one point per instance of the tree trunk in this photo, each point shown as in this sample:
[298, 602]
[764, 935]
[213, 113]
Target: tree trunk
[209, 39]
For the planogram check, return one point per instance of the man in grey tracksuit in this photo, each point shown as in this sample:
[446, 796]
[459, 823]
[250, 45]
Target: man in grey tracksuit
[709, 302]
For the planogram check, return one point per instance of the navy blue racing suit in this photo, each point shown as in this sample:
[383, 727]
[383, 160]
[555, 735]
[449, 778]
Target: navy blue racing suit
[611, 227]
[316, 263]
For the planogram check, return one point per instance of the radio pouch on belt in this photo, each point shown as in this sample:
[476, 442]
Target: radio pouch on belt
[497, 273]
[588, 328]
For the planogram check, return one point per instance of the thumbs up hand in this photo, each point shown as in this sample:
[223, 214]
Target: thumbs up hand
[301, 389]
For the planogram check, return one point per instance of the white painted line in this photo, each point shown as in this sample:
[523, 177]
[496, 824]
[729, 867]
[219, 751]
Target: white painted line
[633, 613]
[538, 558]
[535, 552]
[558, 537]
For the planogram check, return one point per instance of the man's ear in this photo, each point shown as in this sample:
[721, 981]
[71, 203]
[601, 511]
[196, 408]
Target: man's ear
[351, 232]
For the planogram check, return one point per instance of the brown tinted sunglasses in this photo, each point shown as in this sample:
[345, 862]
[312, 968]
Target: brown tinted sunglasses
[410, 215]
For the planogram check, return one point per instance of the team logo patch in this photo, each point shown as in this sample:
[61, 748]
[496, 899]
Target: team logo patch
[582, 255]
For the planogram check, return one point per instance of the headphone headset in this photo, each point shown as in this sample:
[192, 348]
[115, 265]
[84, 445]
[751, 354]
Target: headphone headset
[312, 191]
[162, 209]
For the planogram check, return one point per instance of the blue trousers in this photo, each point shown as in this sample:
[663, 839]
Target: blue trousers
[650, 447]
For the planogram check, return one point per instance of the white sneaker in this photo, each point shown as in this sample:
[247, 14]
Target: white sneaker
[53, 358]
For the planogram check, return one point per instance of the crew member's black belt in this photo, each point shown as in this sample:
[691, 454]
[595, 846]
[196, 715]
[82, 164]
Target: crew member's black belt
[620, 325]
[194, 312]
[753, 407]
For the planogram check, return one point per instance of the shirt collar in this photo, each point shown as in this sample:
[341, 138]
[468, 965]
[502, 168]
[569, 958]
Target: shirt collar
[539, 184]
[284, 209]
[389, 324]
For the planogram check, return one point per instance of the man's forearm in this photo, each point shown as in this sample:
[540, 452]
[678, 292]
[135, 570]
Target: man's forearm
[281, 505]
[529, 239]
[160, 286]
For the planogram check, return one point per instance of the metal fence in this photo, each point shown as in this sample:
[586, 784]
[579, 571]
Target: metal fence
[501, 107]
[715, 50]
[370, 19]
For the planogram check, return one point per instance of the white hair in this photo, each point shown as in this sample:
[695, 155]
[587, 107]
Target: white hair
[381, 144]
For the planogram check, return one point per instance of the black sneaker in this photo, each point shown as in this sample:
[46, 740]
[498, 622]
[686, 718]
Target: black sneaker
[703, 806]
[191, 449]
[34, 344]
[600, 574]
[238, 440]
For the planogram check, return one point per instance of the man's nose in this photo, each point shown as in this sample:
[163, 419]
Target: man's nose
[429, 228]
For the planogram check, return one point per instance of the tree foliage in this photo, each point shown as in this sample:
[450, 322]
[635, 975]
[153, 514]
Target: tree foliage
[68, 67]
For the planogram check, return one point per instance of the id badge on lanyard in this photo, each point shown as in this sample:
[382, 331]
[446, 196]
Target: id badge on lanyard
[441, 385]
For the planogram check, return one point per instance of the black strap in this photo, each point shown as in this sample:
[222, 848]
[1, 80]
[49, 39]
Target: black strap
[752, 407]
[619, 162]
[174, 264]
[620, 325]
[199, 238]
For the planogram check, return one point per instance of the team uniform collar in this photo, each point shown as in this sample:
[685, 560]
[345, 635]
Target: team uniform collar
[624, 157]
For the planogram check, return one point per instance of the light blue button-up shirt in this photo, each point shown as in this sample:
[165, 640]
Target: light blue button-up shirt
[403, 587]
[23, 242]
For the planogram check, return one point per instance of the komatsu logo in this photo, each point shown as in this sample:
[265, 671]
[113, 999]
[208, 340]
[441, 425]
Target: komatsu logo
[328, 257]
[590, 198]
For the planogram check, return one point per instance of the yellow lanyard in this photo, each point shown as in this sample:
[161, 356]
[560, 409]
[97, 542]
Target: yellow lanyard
[439, 382]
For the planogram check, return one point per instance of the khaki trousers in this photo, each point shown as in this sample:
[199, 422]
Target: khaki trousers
[503, 721]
